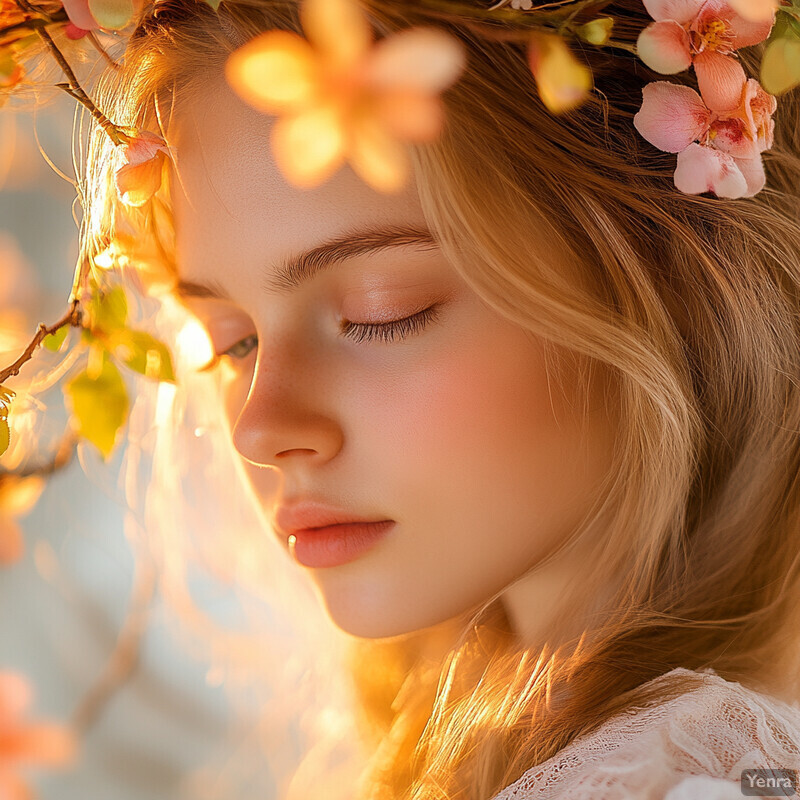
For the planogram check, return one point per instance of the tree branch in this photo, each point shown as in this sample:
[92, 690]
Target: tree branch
[76, 90]
[72, 317]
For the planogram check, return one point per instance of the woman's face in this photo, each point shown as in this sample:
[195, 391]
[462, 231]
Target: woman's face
[446, 425]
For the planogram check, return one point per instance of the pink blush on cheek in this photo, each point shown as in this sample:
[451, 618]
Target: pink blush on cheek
[480, 400]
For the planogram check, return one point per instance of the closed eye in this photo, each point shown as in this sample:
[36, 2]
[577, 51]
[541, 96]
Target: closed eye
[389, 331]
[358, 331]
[241, 349]
[236, 352]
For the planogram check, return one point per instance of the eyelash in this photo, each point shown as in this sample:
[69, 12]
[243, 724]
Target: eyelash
[358, 331]
[388, 331]
[229, 352]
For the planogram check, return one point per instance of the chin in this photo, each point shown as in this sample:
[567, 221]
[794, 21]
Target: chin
[372, 615]
[368, 623]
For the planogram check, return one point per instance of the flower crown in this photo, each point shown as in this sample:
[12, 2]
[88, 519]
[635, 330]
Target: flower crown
[314, 83]
[338, 95]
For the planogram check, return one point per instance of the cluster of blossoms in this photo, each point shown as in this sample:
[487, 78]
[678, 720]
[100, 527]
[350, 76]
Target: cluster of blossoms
[720, 133]
[339, 96]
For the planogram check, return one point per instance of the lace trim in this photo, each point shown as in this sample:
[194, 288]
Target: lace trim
[693, 747]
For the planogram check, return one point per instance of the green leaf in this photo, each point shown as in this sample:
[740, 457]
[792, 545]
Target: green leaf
[596, 31]
[100, 405]
[53, 341]
[213, 3]
[6, 395]
[780, 65]
[5, 434]
[113, 14]
[109, 311]
[143, 353]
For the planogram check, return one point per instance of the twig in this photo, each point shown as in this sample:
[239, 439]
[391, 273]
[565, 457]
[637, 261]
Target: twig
[76, 90]
[125, 656]
[72, 317]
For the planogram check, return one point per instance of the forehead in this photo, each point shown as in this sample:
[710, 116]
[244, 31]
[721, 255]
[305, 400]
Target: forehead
[231, 200]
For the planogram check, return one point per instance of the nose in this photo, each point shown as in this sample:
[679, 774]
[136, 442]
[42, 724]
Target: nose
[285, 417]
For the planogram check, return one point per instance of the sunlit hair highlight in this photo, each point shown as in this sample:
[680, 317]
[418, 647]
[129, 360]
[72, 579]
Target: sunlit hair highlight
[690, 304]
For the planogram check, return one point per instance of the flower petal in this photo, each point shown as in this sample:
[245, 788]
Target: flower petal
[411, 115]
[20, 495]
[79, 14]
[672, 116]
[753, 171]
[142, 147]
[720, 79]
[680, 10]
[562, 81]
[16, 694]
[309, 147]
[72, 31]
[664, 47]
[704, 169]
[749, 32]
[755, 11]
[276, 71]
[13, 787]
[338, 29]
[12, 545]
[376, 156]
[425, 58]
[759, 107]
[44, 743]
[732, 136]
[137, 183]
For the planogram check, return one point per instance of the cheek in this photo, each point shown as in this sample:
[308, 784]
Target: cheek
[481, 404]
[478, 440]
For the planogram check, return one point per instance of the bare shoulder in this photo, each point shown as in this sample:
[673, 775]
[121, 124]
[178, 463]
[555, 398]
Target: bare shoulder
[691, 747]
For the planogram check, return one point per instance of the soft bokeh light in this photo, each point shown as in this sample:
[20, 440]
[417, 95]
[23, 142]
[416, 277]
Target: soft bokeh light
[193, 345]
[341, 96]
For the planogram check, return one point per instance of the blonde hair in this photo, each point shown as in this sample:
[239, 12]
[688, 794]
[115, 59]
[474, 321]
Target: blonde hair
[691, 303]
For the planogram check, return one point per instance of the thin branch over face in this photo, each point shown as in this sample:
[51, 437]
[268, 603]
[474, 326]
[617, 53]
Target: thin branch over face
[72, 317]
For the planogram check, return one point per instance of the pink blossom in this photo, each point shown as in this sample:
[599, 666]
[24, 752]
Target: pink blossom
[704, 34]
[717, 151]
[80, 15]
[89, 16]
[72, 31]
[23, 742]
[343, 96]
[139, 178]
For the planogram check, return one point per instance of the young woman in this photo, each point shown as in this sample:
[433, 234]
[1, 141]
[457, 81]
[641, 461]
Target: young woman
[545, 405]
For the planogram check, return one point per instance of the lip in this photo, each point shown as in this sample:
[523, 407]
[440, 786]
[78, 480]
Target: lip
[321, 535]
[298, 516]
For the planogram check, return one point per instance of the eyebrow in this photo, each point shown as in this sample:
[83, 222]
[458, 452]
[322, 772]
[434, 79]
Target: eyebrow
[294, 271]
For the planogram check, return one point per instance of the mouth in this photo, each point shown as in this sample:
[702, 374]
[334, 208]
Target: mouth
[337, 544]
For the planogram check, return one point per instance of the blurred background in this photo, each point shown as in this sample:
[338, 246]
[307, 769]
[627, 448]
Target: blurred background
[159, 724]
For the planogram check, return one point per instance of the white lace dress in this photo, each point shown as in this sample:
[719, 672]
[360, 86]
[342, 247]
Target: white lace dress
[694, 747]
